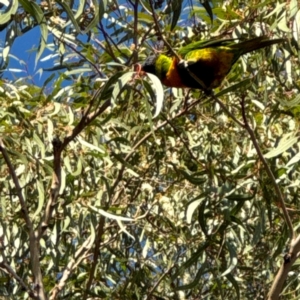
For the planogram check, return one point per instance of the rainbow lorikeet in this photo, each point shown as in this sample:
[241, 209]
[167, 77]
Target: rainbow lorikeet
[204, 64]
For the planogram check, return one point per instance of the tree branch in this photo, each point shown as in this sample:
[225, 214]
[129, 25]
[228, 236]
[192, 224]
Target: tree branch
[268, 170]
[33, 241]
[9, 270]
[96, 253]
[157, 27]
[55, 187]
[259, 153]
[135, 31]
[281, 276]
[73, 263]
[291, 257]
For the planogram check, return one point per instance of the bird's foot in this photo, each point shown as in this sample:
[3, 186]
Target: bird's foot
[183, 64]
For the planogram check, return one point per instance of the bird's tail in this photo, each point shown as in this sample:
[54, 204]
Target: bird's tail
[255, 44]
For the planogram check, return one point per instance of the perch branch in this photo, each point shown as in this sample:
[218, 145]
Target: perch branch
[268, 170]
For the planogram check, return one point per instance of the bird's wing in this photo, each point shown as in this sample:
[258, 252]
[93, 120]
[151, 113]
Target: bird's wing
[204, 44]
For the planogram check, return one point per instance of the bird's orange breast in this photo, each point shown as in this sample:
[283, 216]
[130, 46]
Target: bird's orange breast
[172, 78]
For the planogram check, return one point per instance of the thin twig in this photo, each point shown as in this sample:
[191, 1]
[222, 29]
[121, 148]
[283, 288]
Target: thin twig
[135, 30]
[231, 115]
[157, 27]
[137, 46]
[268, 170]
[80, 254]
[96, 253]
[158, 282]
[145, 137]
[84, 57]
[9, 270]
[108, 38]
[85, 121]
[185, 144]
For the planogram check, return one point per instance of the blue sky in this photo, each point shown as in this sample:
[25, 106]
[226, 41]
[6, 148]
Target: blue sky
[22, 57]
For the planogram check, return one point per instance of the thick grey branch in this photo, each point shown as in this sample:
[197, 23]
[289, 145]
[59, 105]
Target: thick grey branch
[289, 260]
[33, 242]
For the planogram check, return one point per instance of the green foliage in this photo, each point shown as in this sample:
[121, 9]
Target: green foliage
[113, 187]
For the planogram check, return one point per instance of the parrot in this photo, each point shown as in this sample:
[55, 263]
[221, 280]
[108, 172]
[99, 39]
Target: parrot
[203, 64]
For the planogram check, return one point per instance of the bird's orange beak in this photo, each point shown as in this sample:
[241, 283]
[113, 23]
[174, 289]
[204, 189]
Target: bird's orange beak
[138, 69]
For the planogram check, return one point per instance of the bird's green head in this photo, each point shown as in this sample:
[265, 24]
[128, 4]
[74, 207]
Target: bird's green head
[158, 65]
